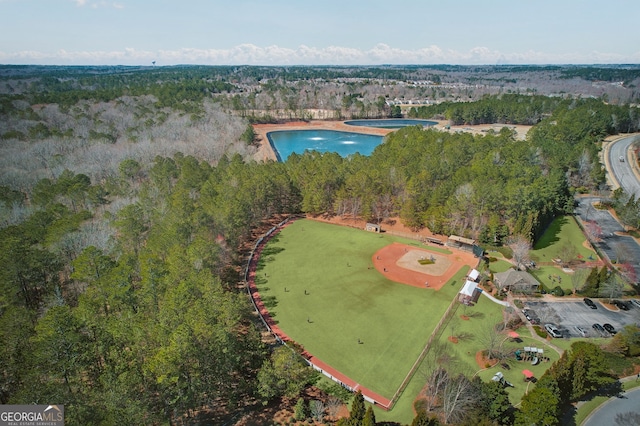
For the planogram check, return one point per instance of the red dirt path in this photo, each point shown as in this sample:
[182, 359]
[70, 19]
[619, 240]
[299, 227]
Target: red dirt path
[384, 260]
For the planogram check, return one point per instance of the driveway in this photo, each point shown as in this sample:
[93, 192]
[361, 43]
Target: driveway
[617, 247]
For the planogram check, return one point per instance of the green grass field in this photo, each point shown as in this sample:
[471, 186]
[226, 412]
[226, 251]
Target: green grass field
[562, 232]
[403, 410]
[347, 300]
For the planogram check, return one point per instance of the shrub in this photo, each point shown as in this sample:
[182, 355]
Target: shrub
[419, 404]
[300, 410]
[618, 364]
[514, 323]
[539, 331]
[558, 291]
[334, 389]
[505, 251]
[519, 304]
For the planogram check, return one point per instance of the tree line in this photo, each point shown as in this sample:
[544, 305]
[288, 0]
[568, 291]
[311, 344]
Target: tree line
[120, 288]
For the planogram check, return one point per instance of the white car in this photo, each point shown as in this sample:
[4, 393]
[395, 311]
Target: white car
[581, 331]
[552, 330]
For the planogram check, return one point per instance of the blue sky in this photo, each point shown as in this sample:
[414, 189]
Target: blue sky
[320, 32]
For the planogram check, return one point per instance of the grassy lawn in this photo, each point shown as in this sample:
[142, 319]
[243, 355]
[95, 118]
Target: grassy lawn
[403, 410]
[500, 266]
[476, 328]
[561, 234]
[563, 230]
[318, 283]
[558, 277]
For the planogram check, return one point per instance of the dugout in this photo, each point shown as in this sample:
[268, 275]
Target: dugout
[372, 227]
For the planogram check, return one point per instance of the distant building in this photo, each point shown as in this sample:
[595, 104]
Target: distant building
[516, 281]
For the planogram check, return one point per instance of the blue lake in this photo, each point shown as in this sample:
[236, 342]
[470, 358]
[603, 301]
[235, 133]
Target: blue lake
[286, 142]
[392, 123]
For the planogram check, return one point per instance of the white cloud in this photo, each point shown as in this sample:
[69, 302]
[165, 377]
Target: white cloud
[98, 4]
[250, 54]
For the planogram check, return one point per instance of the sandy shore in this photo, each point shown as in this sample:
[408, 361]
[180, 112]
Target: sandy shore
[265, 152]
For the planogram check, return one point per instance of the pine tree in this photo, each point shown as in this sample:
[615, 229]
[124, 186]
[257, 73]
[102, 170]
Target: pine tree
[357, 410]
[369, 417]
[300, 410]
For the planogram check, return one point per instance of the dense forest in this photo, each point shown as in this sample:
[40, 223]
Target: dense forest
[126, 196]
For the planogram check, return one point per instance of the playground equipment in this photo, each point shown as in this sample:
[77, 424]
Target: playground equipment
[499, 377]
[529, 376]
[532, 354]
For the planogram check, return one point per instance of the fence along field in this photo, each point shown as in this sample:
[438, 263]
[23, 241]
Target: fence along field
[315, 283]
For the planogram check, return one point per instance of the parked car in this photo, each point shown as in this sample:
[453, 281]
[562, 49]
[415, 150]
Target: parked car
[600, 329]
[609, 328]
[531, 316]
[552, 330]
[636, 303]
[589, 303]
[581, 331]
[621, 305]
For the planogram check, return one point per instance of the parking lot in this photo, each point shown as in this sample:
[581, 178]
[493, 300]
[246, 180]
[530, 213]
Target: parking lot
[567, 315]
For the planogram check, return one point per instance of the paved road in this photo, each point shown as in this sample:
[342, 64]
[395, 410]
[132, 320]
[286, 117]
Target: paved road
[606, 413]
[621, 248]
[622, 169]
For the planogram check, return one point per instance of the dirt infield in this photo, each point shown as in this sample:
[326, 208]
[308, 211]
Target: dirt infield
[399, 263]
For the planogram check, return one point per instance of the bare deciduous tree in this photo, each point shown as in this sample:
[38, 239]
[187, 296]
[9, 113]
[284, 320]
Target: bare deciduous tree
[567, 253]
[593, 230]
[458, 397]
[520, 247]
[490, 340]
[578, 278]
[612, 287]
[333, 406]
[317, 408]
[437, 383]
